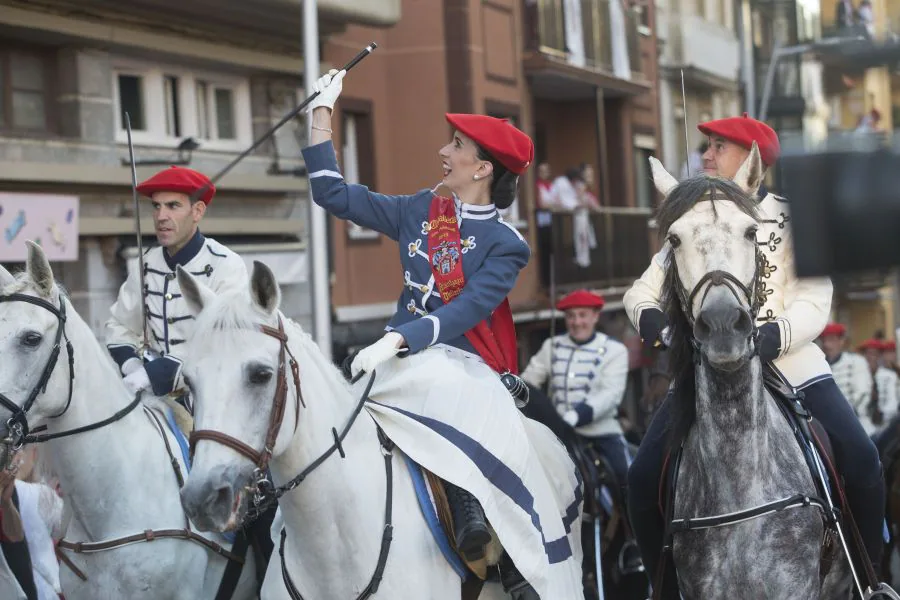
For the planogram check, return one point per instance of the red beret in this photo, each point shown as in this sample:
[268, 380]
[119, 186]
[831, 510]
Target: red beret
[499, 138]
[743, 131]
[871, 344]
[834, 329]
[179, 179]
[581, 299]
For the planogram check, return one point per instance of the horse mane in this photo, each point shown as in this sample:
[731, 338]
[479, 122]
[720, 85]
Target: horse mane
[679, 202]
[234, 314]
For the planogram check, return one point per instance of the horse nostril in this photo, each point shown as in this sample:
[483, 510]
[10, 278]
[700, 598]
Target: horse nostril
[701, 327]
[221, 498]
[743, 323]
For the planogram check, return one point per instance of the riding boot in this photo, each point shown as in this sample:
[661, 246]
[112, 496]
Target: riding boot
[513, 582]
[469, 523]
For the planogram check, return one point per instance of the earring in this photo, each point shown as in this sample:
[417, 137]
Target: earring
[475, 177]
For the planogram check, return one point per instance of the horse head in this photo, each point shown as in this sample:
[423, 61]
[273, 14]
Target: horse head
[33, 341]
[713, 260]
[236, 374]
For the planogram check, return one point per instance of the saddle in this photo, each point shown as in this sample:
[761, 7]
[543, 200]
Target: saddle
[809, 434]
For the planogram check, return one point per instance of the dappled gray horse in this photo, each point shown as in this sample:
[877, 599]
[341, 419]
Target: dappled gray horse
[739, 451]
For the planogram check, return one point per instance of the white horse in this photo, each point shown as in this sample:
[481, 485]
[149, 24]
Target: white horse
[117, 479]
[244, 389]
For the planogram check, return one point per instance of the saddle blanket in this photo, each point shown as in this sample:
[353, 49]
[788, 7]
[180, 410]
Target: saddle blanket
[429, 513]
[449, 412]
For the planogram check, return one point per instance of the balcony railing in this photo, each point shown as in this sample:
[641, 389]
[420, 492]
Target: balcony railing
[622, 253]
[545, 26]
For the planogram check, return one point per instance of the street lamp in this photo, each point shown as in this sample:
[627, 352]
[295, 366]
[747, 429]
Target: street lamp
[780, 52]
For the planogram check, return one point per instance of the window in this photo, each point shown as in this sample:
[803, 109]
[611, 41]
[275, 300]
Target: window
[215, 112]
[23, 91]
[357, 154]
[644, 188]
[170, 100]
[131, 101]
[168, 104]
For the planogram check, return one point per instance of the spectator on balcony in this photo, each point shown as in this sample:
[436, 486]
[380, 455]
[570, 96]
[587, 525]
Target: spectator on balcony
[868, 123]
[586, 195]
[564, 190]
[545, 199]
[866, 17]
[845, 14]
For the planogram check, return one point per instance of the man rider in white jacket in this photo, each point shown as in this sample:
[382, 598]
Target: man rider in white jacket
[793, 315]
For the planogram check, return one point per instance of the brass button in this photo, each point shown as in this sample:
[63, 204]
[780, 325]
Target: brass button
[168, 296]
[170, 320]
[170, 276]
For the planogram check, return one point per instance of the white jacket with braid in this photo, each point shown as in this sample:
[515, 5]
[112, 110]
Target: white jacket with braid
[589, 378]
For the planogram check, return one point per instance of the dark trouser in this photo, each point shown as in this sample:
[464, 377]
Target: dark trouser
[19, 560]
[855, 454]
[614, 449]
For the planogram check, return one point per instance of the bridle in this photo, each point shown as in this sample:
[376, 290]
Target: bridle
[19, 432]
[260, 458]
[265, 494]
[753, 295]
[17, 424]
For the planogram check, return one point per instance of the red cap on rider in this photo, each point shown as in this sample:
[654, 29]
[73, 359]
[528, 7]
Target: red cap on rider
[581, 299]
[499, 138]
[179, 179]
[834, 329]
[871, 344]
[743, 131]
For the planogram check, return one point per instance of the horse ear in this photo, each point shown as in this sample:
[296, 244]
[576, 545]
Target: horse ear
[662, 179]
[264, 288]
[749, 176]
[38, 268]
[6, 278]
[195, 293]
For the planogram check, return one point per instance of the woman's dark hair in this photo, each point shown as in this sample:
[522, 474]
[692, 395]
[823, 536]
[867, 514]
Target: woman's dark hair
[504, 183]
[574, 174]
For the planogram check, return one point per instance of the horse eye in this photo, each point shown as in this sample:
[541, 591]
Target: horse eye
[31, 339]
[750, 234]
[260, 375]
[674, 241]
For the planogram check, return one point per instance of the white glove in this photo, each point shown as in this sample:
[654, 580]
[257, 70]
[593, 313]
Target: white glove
[137, 380]
[372, 356]
[329, 87]
[571, 417]
[131, 365]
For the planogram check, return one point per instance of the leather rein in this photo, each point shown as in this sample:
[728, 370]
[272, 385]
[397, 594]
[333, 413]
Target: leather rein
[265, 494]
[21, 434]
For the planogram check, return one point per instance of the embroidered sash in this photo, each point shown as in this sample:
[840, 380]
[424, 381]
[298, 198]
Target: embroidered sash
[496, 344]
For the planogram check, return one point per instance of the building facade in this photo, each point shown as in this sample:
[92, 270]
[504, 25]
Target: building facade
[579, 77]
[199, 81]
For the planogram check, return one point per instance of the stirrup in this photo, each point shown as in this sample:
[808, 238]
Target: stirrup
[883, 591]
[631, 567]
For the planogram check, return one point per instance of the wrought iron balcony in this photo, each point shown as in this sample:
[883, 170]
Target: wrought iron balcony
[622, 253]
